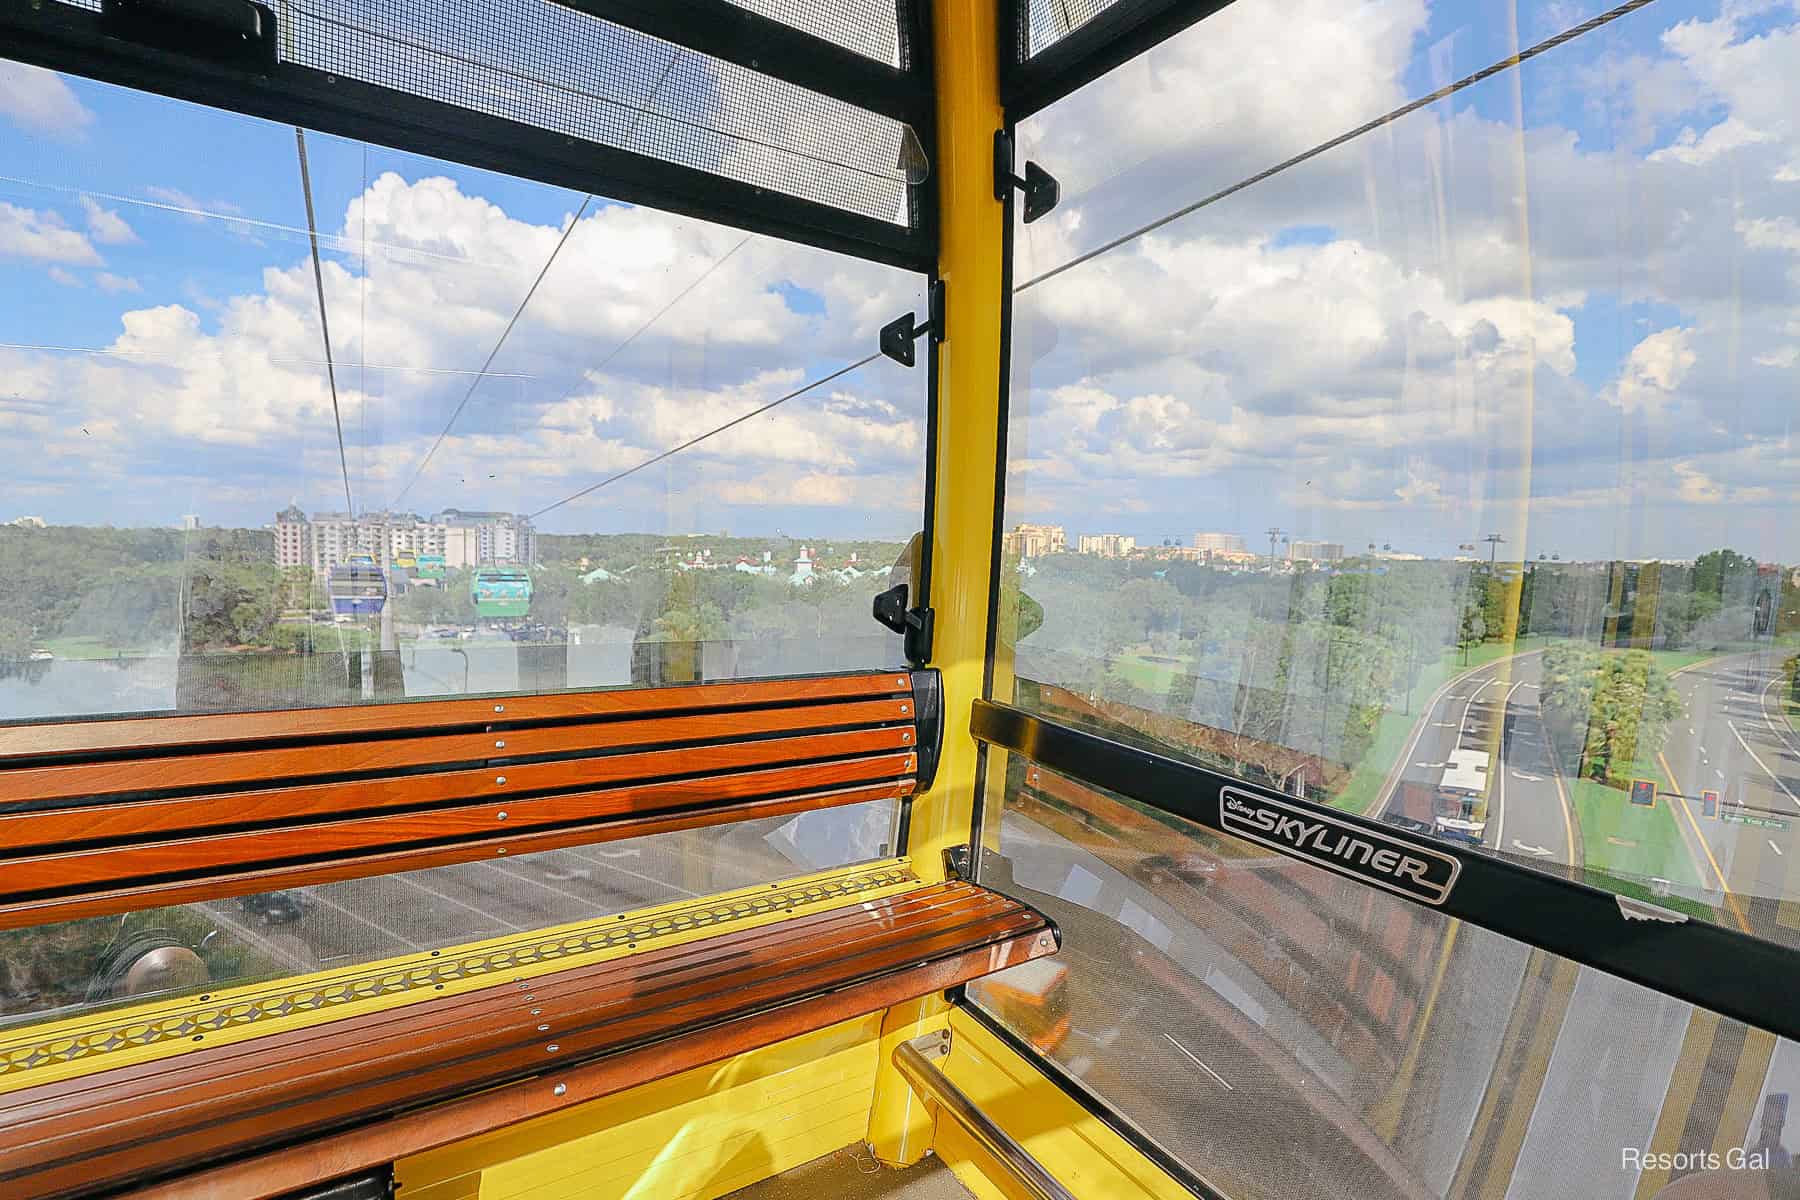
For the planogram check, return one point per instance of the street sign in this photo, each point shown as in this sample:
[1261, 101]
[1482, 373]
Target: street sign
[1643, 793]
[1738, 816]
[1709, 804]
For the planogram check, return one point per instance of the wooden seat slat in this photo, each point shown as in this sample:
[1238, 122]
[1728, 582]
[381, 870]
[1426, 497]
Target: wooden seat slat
[710, 997]
[326, 839]
[575, 989]
[241, 883]
[135, 735]
[138, 819]
[223, 805]
[24, 784]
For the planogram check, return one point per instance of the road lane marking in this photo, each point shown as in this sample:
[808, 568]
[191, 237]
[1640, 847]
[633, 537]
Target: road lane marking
[1499, 774]
[1192, 1057]
[1775, 848]
[1688, 812]
[1755, 758]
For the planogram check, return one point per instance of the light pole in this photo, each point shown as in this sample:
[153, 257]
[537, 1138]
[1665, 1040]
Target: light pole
[1493, 540]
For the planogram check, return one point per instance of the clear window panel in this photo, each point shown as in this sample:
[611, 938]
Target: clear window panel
[60, 970]
[434, 462]
[1287, 1033]
[1444, 473]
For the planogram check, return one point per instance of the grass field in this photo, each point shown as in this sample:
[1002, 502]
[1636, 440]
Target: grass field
[89, 648]
[1139, 669]
[1622, 839]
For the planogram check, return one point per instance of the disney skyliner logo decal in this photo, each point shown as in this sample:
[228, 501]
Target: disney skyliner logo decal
[1412, 871]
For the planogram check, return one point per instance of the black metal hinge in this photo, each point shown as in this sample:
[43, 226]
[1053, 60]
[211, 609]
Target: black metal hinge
[1042, 191]
[898, 335]
[959, 861]
[914, 625]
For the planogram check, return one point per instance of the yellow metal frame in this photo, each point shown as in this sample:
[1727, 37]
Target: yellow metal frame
[966, 48]
[1084, 1153]
[693, 1136]
[45, 1053]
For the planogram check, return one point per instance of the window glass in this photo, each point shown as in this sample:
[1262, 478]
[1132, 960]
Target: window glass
[59, 970]
[434, 460]
[1444, 472]
[1287, 1033]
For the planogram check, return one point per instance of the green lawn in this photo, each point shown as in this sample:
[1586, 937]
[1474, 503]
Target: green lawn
[1395, 726]
[1621, 839]
[88, 647]
[1136, 668]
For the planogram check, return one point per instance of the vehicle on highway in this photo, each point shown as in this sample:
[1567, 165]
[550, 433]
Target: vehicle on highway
[1189, 868]
[1459, 812]
[276, 908]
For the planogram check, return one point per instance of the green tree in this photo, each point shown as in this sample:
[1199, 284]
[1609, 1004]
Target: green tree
[1620, 704]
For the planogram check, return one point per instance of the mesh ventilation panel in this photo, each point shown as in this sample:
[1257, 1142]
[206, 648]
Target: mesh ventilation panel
[869, 27]
[1043, 23]
[542, 64]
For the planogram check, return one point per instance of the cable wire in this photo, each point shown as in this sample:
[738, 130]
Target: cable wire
[312, 232]
[562, 241]
[493, 353]
[695, 441]
[1450, 89]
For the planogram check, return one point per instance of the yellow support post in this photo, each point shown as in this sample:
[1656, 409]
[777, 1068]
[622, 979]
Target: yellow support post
[966, 45]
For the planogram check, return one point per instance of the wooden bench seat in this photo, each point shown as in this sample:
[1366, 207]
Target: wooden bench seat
[348, 1094]
[108, 816]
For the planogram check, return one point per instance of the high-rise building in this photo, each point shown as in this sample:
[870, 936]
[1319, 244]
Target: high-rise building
[1219, 543]
[1107, 545]
[461, 539]
[293, 538]
[1035, 541]
[1315, 551]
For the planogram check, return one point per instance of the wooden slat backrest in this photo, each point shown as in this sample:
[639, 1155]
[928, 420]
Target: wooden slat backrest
[663, 1010]
[93, 822]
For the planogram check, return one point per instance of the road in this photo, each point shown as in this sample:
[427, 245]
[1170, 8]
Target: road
[1528, 811]
[361, 920]
[1735, 740]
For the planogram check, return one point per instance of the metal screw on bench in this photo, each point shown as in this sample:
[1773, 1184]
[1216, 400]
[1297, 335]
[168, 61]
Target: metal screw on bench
[559, 1089]
[499, 745]
[500, 779]
[500, 816]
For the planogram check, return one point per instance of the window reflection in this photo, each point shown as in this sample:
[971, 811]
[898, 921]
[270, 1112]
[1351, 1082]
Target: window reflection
[213, 503]
[1289, 1033]
[1443, 475]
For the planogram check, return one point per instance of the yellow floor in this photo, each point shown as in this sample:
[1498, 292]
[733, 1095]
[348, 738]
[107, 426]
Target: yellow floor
[852, 1174]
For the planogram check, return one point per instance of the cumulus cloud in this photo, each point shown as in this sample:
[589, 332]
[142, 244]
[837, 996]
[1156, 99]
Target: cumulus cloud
[42, 235]
[40, 101]
[106, 226]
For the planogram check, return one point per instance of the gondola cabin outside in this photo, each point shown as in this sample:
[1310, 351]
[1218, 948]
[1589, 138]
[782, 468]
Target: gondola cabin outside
[1127, 600]
[357, 589]
[501, 593]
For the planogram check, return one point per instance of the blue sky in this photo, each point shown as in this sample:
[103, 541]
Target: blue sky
[1563, 304]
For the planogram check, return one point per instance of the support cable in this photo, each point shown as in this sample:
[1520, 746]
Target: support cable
[695, 441]
[562, 241]
[1450, 89]
[312, 233]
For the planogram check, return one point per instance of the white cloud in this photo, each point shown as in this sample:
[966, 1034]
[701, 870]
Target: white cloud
[109, 282]
[39, 101]
[65, 278]
[107, 227]
[42, 235]
[1654, 372]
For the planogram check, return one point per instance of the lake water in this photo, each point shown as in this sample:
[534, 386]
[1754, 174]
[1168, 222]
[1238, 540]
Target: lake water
[605, 657]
